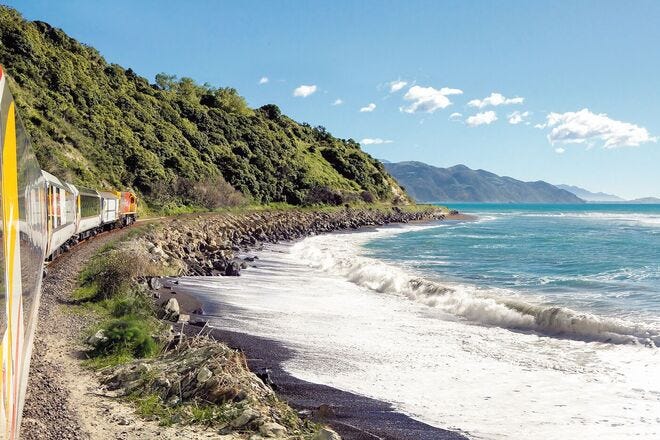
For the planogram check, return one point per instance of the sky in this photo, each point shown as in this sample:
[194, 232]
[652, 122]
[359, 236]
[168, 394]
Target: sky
[561, 91]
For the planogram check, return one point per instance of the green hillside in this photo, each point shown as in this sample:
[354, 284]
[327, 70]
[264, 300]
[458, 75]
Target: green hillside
[99, 124]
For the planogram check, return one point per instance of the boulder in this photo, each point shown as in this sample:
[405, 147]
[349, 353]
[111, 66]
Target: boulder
[155, 283]
[272, 429]
[326, 434]
[183, 317]
[204, 374]
[172, 309]
[246, 417]
[97, 338]
[325, 411]
[158, 251]
[233, 269]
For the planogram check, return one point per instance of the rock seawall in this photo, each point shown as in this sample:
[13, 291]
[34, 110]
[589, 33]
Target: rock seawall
[206, 245]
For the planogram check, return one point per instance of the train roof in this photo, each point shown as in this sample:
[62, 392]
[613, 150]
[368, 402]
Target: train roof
[52, 179]
[88, 191]
[109, 194]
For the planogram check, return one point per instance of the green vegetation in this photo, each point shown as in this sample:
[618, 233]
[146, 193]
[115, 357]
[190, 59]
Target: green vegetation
[181, 145]
[128, 334]
[151, 406]
[127, 319]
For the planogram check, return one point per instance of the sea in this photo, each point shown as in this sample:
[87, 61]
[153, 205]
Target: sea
[528, 322]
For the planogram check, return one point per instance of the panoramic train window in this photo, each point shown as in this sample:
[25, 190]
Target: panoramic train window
[70, 208]
[54, 206]
[89, 205]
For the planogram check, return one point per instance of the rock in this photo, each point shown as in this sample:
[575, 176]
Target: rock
[155, 283]
[272, 429]
[246, 417]
[122, 421]
[233, 269]
[156, 295]
[183, 317]
[325, 411]
[158, 251]
[204, 374]
[143, 368]
[97, 338]
[172, 309]
[266, 379]
[163, 382]
[326, 434]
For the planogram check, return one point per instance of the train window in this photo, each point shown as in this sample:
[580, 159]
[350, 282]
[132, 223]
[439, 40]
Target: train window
[89, 206]
[54, 206]
[57, 207]
[70, 207]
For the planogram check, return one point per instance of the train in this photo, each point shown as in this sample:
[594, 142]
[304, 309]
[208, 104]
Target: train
[75, 213]
[41, 216]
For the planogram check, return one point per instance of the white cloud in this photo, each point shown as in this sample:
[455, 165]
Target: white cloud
[586, 127]
[495, 99]
[517, 117]
[304, 91]
[375, 141]
[264, 80]
[449, 91]
[455, 116]
[428, 99]
[482, 118]
[395, 86]
[559, 150]
[369, 108]
[337, 101]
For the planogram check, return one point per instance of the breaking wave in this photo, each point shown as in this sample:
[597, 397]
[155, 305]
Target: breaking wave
[649, 220]
[487, 307]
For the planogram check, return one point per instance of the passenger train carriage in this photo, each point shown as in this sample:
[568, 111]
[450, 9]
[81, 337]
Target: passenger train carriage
[40, 217]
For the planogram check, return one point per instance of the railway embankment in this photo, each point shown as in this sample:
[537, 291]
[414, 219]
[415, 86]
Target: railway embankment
[111, 362]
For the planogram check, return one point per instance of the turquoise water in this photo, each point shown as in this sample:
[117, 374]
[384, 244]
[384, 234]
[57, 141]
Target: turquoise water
[602, 259]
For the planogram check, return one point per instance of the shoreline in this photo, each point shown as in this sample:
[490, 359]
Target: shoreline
[352, 416]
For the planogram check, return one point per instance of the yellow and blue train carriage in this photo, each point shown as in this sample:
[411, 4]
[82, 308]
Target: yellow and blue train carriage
[24, 236]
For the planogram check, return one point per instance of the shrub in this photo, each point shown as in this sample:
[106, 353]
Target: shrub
[323, 195]
[112, 274]
[128, 334]
[367, 197]
[137, 304]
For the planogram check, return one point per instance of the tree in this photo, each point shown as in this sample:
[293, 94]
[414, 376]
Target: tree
[165, 81]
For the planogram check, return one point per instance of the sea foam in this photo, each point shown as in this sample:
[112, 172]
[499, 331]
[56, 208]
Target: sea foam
[495, 307]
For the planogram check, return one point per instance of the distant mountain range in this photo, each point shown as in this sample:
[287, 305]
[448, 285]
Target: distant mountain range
[589, 196]
[459, 183]
[645, 200]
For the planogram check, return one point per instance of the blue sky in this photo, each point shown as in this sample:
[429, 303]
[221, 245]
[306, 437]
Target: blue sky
[584, 76]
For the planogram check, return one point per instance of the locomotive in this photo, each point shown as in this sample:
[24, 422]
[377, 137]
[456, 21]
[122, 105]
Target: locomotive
[40, 217]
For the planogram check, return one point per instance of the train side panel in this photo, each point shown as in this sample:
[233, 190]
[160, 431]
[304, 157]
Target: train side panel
[23, 233]
[109, 208]
[62, 213]
[89, 212]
